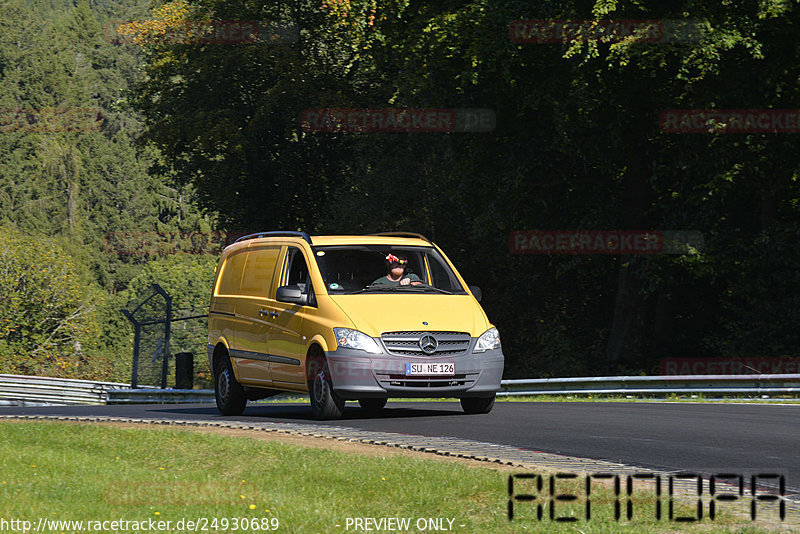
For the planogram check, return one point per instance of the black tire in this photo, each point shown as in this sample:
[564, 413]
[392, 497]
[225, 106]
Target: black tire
[372, 405]
[227, 391]
[477, 404]
[325, 404]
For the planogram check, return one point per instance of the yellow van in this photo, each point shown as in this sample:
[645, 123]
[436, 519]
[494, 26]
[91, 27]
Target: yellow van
[347, 317]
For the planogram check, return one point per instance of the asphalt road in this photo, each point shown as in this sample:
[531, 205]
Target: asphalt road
[703, 438]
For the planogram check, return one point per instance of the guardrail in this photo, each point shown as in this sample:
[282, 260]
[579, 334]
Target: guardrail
[622, 385]
[17, 390]
[159, 396]
[594, 385]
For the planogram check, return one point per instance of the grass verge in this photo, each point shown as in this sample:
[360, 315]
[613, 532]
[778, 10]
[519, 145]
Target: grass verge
[89, 472]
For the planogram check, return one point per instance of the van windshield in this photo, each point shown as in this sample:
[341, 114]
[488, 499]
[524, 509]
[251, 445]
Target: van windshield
[349, 269]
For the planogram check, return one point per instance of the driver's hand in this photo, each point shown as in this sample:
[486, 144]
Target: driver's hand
[405, 281]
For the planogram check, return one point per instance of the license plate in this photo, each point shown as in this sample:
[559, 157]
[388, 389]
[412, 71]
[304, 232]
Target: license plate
[430, 369]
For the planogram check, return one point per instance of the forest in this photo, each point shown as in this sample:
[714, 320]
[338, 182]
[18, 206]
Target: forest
[136, 139]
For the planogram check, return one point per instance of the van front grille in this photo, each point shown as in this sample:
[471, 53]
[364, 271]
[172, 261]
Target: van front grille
[438, 343]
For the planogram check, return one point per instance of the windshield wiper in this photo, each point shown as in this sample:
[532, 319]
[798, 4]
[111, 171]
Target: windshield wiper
[369, 289]
[419, 288]
[423, 287]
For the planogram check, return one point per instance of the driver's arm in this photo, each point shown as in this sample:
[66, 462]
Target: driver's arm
[412, 279]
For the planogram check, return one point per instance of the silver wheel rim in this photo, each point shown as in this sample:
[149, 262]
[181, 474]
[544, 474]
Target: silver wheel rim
[319, 388]
[223, 385]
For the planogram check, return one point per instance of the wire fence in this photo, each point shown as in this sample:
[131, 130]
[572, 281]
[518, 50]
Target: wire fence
[160, 333]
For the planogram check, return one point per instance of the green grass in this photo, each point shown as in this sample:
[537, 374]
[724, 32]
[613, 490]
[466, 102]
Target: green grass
[70, 471]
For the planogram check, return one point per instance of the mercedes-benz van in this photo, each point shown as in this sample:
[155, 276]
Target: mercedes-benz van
[321, 315]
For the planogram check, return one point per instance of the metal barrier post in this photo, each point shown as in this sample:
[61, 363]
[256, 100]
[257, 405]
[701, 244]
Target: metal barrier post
[135, 369]
[167, 326]
[184, 370]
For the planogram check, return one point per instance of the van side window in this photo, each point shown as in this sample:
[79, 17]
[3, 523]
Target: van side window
[297, 270]
[440, 277]
[258, 273]
[231, 277]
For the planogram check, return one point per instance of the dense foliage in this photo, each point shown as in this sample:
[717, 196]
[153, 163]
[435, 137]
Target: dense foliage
[81, 214]
[50, 323]
[577, 145]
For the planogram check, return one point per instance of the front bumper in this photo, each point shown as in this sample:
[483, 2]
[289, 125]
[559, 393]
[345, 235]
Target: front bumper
[356, 374]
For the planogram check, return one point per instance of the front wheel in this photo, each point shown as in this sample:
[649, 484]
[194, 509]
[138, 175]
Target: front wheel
[477, 404]
[227, 391]
[325, 404]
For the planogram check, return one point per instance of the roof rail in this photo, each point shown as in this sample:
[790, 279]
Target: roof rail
[286, 233]
[404, 234]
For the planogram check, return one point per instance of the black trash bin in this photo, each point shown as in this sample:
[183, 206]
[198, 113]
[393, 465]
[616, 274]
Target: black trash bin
[184, 370]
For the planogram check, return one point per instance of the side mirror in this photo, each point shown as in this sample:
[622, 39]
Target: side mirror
[292, 295]
[476, 292]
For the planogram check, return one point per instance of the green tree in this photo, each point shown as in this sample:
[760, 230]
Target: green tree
[48, 311]
[84, 187]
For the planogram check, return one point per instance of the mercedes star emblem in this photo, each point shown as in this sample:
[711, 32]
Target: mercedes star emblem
[428, 344]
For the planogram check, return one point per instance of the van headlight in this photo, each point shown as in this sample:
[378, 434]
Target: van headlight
[353, 339]
[489, 340]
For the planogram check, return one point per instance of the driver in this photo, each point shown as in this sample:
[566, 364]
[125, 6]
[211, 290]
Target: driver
[397, 275]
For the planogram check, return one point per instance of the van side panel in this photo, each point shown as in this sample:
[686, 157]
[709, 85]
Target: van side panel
[287, 342]
[256, 298]
[222, 321]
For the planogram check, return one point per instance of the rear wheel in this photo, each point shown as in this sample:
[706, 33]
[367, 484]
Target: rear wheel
[477, 404]
[372, 405]
[227, 391]
[325, 404]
